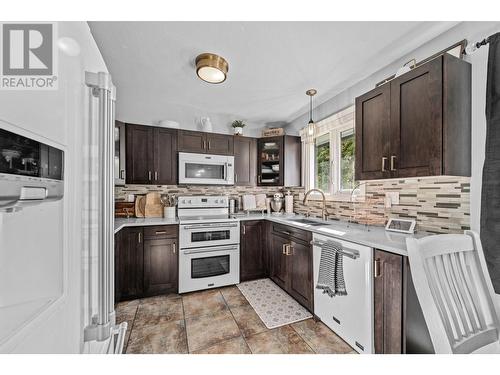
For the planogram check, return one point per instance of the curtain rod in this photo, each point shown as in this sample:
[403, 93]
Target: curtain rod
[471, 48]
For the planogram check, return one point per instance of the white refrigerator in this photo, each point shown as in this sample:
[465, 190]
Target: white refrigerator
[56, 250]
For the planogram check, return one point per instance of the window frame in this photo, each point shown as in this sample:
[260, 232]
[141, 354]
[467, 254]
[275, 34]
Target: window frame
[334, 126]
[335, 159]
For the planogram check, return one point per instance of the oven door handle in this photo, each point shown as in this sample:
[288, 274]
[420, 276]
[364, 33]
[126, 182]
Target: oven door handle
[210, 249]
[201, 226]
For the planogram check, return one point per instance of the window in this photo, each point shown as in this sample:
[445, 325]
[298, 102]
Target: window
[347, 160]
[322, 163]
[329, 156]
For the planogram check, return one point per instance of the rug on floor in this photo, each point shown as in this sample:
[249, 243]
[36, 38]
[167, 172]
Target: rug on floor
[272, 304]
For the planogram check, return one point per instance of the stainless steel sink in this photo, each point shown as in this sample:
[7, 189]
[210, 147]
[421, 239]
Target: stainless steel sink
[308, 222]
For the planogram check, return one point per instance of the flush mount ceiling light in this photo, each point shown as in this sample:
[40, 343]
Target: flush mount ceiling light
[311, 126]
[211, 68]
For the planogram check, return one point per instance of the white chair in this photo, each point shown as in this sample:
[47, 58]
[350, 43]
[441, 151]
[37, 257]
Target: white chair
[455, 292]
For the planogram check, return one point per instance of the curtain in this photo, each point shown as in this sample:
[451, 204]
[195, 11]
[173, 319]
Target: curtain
[490, 199]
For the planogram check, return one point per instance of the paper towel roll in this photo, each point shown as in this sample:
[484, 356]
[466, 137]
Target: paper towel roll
[289, 204]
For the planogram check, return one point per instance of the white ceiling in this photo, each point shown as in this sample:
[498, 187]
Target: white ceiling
[271, 64]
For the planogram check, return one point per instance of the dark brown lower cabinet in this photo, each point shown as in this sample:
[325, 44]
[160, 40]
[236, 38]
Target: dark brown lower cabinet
[399, 324]
[291, 262]
[129, 271]
[160, 265]
[252, 250]
[301, 278]
[146, 261]
[279, 261]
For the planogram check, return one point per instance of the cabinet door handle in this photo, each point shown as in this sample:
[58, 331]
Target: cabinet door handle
[209, 145]
[149, 175]
[236, 177]
[283, 249]
[174, 247]
[244, 229]
[122, 174]
[204, 144]
[140, 237]
[161, 232]
[384, 159]
[393, 162]
[156, 176]
[376, 268]
[289, 249]
[259, 178]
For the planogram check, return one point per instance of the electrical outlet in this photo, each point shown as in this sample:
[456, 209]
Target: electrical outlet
[394, 196]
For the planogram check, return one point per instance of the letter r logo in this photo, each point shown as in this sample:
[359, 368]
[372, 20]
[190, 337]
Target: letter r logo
[27, 49]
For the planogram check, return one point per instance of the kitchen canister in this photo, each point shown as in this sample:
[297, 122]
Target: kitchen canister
[169, 212]
[289, 203]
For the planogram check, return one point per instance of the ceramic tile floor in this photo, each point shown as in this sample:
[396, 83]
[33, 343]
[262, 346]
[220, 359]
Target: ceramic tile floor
[219, 321]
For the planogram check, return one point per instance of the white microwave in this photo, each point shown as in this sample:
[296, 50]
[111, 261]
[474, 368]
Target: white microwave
[206, 169]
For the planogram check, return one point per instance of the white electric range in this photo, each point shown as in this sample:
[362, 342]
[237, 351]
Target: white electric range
[209, 242]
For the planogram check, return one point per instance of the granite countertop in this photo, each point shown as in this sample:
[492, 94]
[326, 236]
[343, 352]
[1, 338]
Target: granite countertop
[368, 235]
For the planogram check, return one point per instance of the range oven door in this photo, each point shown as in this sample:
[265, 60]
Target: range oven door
[208, 267]
[209, 234]
[206, 169]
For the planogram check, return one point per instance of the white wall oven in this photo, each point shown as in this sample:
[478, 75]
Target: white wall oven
[208, 267]
[209, 234]
[209, 240]
[205, 169]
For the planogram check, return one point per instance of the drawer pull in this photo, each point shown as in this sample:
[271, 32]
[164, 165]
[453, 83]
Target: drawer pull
[393, 162]
[335, 320]
[384, 159]
[376, 271]
[160, 232]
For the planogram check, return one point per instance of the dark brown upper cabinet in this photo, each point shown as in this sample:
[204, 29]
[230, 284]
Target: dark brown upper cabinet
[205, 143]
[372, 133]
[279, 161]
[139, 154]
[165, 156]
[245, 161]
[418, 124]
[220, 144]
[151, 155]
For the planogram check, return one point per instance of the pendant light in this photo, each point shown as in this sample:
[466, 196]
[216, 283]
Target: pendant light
[211, 68]
[311, 126]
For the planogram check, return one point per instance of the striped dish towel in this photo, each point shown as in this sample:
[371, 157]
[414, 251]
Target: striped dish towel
[331, 270]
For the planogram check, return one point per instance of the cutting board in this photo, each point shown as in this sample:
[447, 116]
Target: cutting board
[140, 206]
[154, 207]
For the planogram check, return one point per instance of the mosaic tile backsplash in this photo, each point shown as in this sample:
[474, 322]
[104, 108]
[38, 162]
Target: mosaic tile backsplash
[439, 204]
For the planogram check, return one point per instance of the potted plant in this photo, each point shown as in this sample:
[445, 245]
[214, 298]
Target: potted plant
[238, 126]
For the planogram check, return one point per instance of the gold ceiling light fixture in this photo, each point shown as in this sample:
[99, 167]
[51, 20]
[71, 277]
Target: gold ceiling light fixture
[211, 68]
[311, 126]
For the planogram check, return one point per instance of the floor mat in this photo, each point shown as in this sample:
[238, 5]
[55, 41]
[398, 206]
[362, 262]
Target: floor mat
[273, 305]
